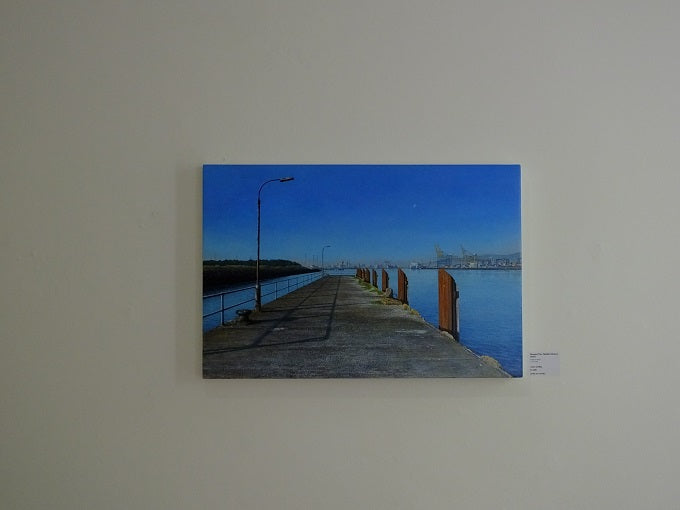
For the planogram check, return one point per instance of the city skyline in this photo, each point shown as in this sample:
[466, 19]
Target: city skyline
[366, 213]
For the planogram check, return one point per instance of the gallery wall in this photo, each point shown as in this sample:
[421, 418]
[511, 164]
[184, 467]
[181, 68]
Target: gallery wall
[109, 110]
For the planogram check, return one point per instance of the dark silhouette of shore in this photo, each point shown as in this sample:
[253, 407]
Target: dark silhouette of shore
[220, 273]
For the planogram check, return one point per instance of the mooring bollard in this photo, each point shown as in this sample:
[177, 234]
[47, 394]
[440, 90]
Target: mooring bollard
[448, 304]
[385, 280]
[244, 315]
[403, 287]
[375, 278]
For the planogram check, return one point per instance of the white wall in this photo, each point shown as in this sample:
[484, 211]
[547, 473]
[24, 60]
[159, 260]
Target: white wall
[109, 109]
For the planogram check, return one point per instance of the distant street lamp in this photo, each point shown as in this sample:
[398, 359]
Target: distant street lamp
[258, 294]
[322, 249]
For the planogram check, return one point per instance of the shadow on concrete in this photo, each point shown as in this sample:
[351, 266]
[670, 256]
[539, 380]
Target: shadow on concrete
[257, 343]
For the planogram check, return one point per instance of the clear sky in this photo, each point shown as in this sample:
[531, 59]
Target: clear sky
[366, 213]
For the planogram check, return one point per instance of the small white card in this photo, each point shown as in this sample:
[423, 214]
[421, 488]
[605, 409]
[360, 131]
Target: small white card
[544, 363]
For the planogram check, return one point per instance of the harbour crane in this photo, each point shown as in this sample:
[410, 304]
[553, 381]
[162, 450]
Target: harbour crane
[468, 259]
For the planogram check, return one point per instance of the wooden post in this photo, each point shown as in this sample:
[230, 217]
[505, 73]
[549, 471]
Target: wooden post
[367, 275]
[448, 304]
[375, 278]
[385, 280]
[403, 287]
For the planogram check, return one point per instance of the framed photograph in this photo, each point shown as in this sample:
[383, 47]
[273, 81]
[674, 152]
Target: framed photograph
[349, 271]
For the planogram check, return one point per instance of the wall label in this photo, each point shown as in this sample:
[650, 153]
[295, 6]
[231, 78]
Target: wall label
[544, 363]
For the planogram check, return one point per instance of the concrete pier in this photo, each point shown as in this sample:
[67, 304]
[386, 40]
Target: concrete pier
[337, 328]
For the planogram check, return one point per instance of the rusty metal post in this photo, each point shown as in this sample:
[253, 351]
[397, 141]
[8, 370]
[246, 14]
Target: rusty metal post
[448, 304]
[375, 278]
[385, 280]
[403, 287]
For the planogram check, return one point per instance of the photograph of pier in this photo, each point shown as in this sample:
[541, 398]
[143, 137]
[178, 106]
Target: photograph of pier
[338, 271]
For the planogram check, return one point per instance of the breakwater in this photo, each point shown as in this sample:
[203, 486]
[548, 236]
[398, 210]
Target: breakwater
[490, 308]
[336, 328]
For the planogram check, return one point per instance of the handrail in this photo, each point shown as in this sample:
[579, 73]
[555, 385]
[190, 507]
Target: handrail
[234, 291]
[280, 288]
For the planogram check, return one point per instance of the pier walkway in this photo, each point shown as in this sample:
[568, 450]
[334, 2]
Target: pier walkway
[336, 328]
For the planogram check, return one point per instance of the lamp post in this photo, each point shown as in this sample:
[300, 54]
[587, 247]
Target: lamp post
[322, 249]
[258, 294]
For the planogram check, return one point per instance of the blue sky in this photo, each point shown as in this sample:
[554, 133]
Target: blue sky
[366, 213]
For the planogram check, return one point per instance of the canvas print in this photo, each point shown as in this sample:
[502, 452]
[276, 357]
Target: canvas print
[351, 271]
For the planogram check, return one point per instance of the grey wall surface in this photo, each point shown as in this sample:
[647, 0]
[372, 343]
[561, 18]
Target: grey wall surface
[109, 110]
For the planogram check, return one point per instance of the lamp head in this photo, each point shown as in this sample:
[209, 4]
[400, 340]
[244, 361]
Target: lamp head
[286, 179]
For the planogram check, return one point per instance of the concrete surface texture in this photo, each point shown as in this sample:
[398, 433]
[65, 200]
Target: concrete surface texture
[337, 327]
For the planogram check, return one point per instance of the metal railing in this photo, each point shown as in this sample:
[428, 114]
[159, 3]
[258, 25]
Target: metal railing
[230, 300]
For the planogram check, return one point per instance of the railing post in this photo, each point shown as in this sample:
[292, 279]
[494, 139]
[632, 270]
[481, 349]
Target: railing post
[375, 278]
[403, 287]
[448, 304]
[385, 280]
[222, 306]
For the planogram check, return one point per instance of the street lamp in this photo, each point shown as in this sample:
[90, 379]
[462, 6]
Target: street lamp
[258, 294]
[322, 249]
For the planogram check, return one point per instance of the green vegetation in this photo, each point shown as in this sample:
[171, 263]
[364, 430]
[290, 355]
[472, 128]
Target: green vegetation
[220, 273]
[387, 301]
[367, 286]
